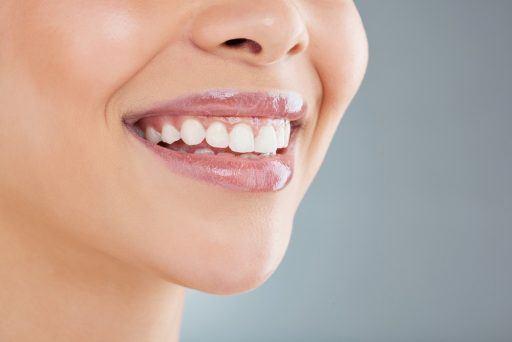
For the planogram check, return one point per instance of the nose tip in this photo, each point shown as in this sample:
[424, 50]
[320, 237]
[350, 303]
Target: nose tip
[255, 32]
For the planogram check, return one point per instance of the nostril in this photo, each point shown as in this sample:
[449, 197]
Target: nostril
[243, 43]
[295, 49]
[235, 42]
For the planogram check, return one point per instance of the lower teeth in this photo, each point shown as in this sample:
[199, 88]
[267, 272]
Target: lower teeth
[208, 151]
[249, 156]
[204, 151]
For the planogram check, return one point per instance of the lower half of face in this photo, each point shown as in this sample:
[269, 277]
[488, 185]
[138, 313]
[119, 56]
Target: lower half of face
[177, 136]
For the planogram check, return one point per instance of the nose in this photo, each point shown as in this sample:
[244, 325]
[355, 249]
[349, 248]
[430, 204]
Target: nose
[258, 32]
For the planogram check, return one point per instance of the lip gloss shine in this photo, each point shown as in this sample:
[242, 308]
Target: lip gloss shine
[262, 174]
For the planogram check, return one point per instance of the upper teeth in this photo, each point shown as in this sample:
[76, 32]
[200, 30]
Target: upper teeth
[280, 136]
[239, 138]
[153, 135]
[170, 134]
[287, 132]
[217, 135]
[192, 132]
[266, 141]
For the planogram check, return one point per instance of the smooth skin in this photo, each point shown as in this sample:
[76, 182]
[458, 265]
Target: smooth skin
[98, 239]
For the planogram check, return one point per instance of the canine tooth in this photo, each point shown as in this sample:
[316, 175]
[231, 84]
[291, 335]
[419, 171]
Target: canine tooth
[266, 141]
[192, 132]
[241, 138]
[204, 151]
[280, 134]
[217, 135]
[153, 135]
[287, 132]
[170, 134]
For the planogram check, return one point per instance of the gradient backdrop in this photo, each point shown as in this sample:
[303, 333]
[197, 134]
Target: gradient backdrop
[406, 234]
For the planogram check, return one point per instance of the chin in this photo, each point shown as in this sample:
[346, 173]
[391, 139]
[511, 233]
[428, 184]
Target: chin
[225, 260]
[211, 239]
[234, 275]
[240, 275]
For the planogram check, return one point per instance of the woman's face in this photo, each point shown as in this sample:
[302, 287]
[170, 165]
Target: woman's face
[157, 131]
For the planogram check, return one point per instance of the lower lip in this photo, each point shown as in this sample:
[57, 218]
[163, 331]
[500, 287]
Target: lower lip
[264, 174]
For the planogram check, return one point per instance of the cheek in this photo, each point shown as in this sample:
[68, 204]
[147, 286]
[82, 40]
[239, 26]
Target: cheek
[65, 59]
[78, 52]
[340, 54]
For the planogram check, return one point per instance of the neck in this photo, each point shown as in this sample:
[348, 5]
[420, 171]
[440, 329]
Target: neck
[56, 290]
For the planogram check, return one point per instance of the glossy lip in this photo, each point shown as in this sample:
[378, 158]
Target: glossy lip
[263, 174]
[226, 102]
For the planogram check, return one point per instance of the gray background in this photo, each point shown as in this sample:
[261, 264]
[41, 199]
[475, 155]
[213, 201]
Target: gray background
[406, 235]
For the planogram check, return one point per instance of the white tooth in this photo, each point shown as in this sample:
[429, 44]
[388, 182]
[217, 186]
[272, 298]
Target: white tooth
[266, 141]
[241, 138]
[287, 132]
[170, 134]
[192, 132]
[153, 135]
[204, 151]
[280, 134]
[217, 135]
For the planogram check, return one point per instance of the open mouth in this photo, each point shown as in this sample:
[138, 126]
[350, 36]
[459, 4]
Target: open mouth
[240, 141]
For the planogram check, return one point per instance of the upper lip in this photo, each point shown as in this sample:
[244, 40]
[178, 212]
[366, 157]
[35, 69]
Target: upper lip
[227, 102]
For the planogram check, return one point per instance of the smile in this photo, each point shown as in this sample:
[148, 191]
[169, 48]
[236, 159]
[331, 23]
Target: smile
[240, 141]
